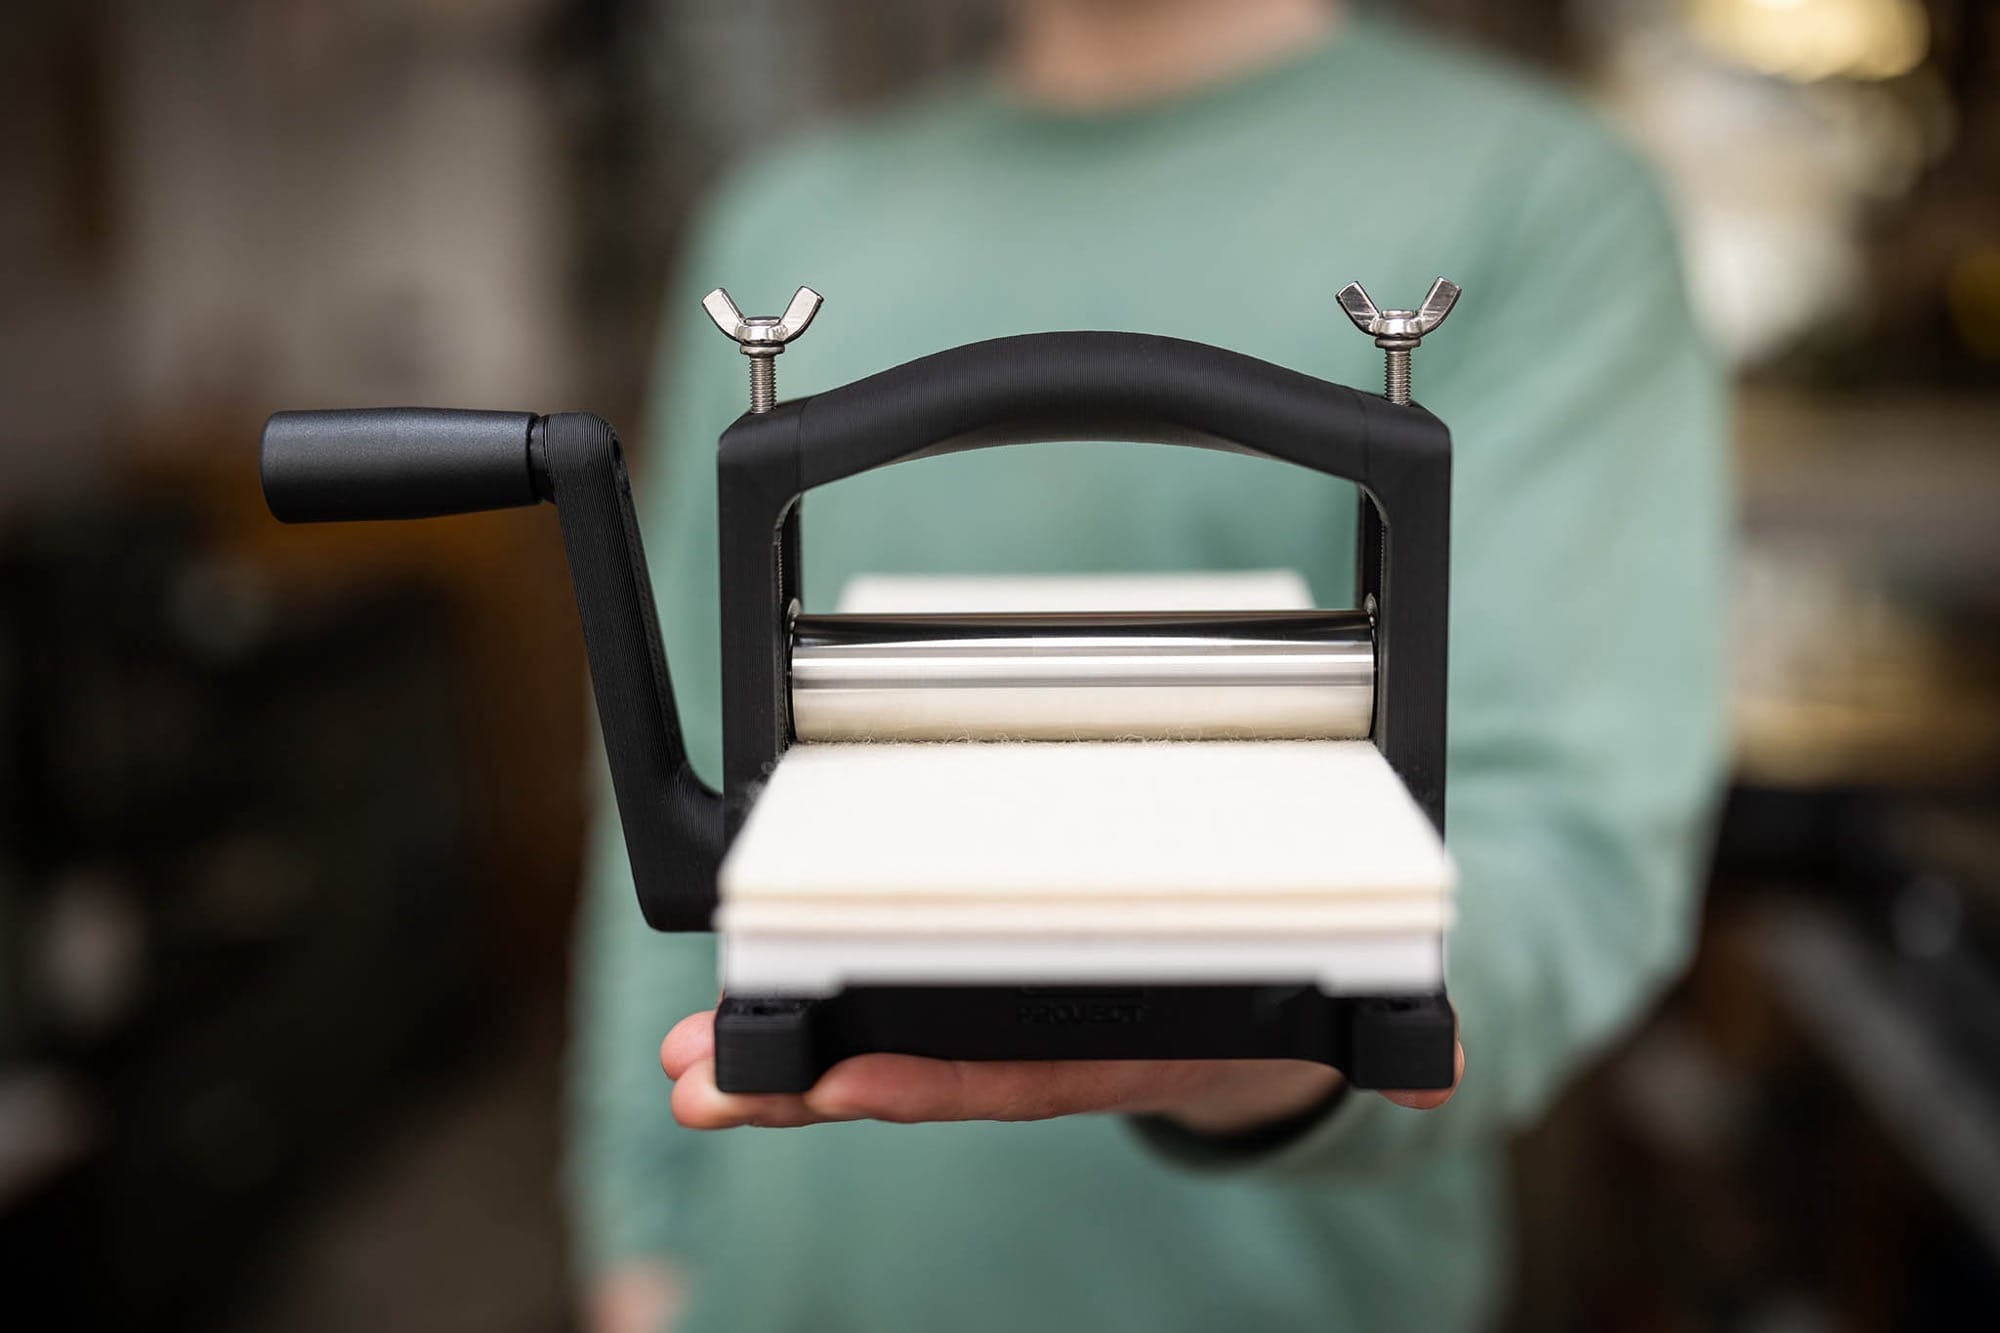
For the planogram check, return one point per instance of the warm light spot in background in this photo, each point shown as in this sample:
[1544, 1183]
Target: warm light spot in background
[1808, 40]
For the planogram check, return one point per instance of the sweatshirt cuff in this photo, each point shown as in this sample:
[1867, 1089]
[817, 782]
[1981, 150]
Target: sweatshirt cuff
[1251, 1148]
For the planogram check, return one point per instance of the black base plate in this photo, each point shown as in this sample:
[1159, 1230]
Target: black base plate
[766, 1043]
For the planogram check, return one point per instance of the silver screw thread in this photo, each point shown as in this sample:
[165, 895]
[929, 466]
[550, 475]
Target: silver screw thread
[764, 383]
[1396, 376]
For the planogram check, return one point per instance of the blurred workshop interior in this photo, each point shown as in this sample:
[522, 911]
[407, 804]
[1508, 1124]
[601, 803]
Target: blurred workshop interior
[291, 819]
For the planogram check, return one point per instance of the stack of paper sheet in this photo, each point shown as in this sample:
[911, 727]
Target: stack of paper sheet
[1084, 863]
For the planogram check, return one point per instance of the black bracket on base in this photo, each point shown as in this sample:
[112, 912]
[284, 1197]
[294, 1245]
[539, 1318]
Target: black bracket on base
[775, 1044]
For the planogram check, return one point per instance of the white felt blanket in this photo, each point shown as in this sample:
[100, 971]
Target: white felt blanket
[1086, 860]
[1139, 822]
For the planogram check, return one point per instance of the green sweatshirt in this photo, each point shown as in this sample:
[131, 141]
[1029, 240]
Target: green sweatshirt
[1588, 554]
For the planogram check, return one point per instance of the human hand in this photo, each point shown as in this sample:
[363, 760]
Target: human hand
[1206, 1096]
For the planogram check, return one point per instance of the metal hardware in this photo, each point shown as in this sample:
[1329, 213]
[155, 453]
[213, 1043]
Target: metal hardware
[1397, 332]
[762, 337]
[1266, 675]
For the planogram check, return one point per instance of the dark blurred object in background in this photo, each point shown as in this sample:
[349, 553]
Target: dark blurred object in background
[234, 884]
[290, 820]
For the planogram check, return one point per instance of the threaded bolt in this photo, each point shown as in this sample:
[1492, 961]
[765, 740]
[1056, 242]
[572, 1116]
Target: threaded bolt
[763, 383]
[1396, 376]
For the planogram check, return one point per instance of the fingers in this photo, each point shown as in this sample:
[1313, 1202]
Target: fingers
[692, 1040]
[688, 1057]
[906, 1089]
[1431, 1100]
[699, 1104]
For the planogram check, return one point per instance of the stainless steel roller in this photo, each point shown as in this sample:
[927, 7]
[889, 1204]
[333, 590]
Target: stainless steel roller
[1260, 675]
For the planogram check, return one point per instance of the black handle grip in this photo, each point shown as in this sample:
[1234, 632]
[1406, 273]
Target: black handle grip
[394, 462]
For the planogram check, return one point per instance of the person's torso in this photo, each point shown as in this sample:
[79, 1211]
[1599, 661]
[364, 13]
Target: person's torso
[1231, 220]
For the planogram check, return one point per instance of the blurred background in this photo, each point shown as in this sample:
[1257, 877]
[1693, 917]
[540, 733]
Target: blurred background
[290, 819]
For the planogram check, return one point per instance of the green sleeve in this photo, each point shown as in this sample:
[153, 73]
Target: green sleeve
[635, 1178]
[1589, 542]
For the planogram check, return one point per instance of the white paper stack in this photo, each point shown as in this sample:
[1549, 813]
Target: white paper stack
[1084, 863]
